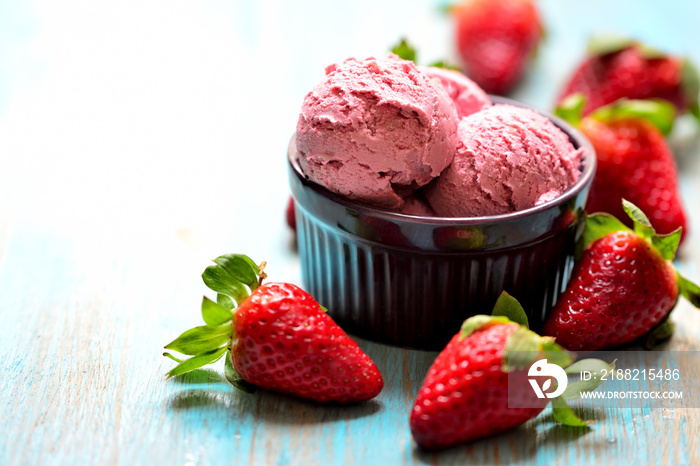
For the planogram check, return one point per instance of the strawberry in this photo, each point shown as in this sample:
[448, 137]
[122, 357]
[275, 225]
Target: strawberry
[623, 287]
[478, 384]
[634, 160]
[618, 67]
[291, 215]
[278, 338]
[495, 40]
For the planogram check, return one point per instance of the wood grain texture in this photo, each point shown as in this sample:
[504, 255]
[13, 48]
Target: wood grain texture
[141, 179]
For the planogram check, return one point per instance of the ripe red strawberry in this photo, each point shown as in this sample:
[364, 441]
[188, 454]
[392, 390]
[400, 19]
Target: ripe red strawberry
[481, 372]
[278, 338]
[623, 287]
[634, 160]
[291, 215]
[496, 39]
[617, 68]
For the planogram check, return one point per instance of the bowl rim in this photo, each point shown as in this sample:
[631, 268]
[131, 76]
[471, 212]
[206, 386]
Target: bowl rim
[577, 138]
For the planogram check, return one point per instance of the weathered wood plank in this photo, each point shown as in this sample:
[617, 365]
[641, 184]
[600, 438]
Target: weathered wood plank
[105, 228]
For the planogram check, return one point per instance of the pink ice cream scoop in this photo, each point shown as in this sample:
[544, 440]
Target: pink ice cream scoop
[467, 96]
[508, 158]
[416, 205]
[376, 129]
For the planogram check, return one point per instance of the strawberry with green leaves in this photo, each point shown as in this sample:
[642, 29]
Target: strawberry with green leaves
[619, 67]
[496, 39]
[623, 287]
[634, 160]
[478, 385]
[278, 338]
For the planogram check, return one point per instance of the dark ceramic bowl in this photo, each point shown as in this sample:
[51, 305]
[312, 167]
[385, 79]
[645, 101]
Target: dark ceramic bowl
[411, 281]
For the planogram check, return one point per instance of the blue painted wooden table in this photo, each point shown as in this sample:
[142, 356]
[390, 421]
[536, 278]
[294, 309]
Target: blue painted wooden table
[138, 140]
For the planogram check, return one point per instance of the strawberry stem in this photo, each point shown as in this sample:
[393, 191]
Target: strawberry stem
[261, 272]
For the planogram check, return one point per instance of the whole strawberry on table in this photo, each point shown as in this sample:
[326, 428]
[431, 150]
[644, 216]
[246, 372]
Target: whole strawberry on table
[478, 385]
[278, 338]
[496, 39]
[634, 160]
[623, 287]
[619, 67]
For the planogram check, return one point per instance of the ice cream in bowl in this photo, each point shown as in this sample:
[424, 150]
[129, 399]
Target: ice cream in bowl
[419, 199]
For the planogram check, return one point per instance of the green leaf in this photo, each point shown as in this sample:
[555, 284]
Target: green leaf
[405, 51]
[690, 82]
[521, 350]
[659, 113]
[201, 339]
[605, 43]
[642, 226]
[555, 353]
[168, 355]
[597, 369]
[197, 361]
[695, 111]
[667, 245]
[447, 6]
[476, 322]
[599, 225]
[213, 314]
[445, 65]
[225, 301]
[509, 307]
[221, 281]
[563, 414]
[661, 332]
[571, 109]
[240, 267]
[235, 379]
[650, 53]
[689, 290]
[590, 365]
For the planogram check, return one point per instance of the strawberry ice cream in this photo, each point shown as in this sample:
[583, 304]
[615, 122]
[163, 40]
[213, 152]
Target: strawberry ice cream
[375, 130]
[507, 158]
[416, 205]
[467, 96]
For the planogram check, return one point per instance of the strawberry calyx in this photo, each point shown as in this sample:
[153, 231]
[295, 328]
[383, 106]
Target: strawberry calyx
[508, 306]
[690, 83]
[606, 43]
[599, 225]
[234, 277]
[663, 331]
[571, 109]
[407, 51]
[659, 113]
[609, 42]
[524, 347]
[404, 50]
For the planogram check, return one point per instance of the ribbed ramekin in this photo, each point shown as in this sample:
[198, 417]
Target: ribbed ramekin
[411, 281]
